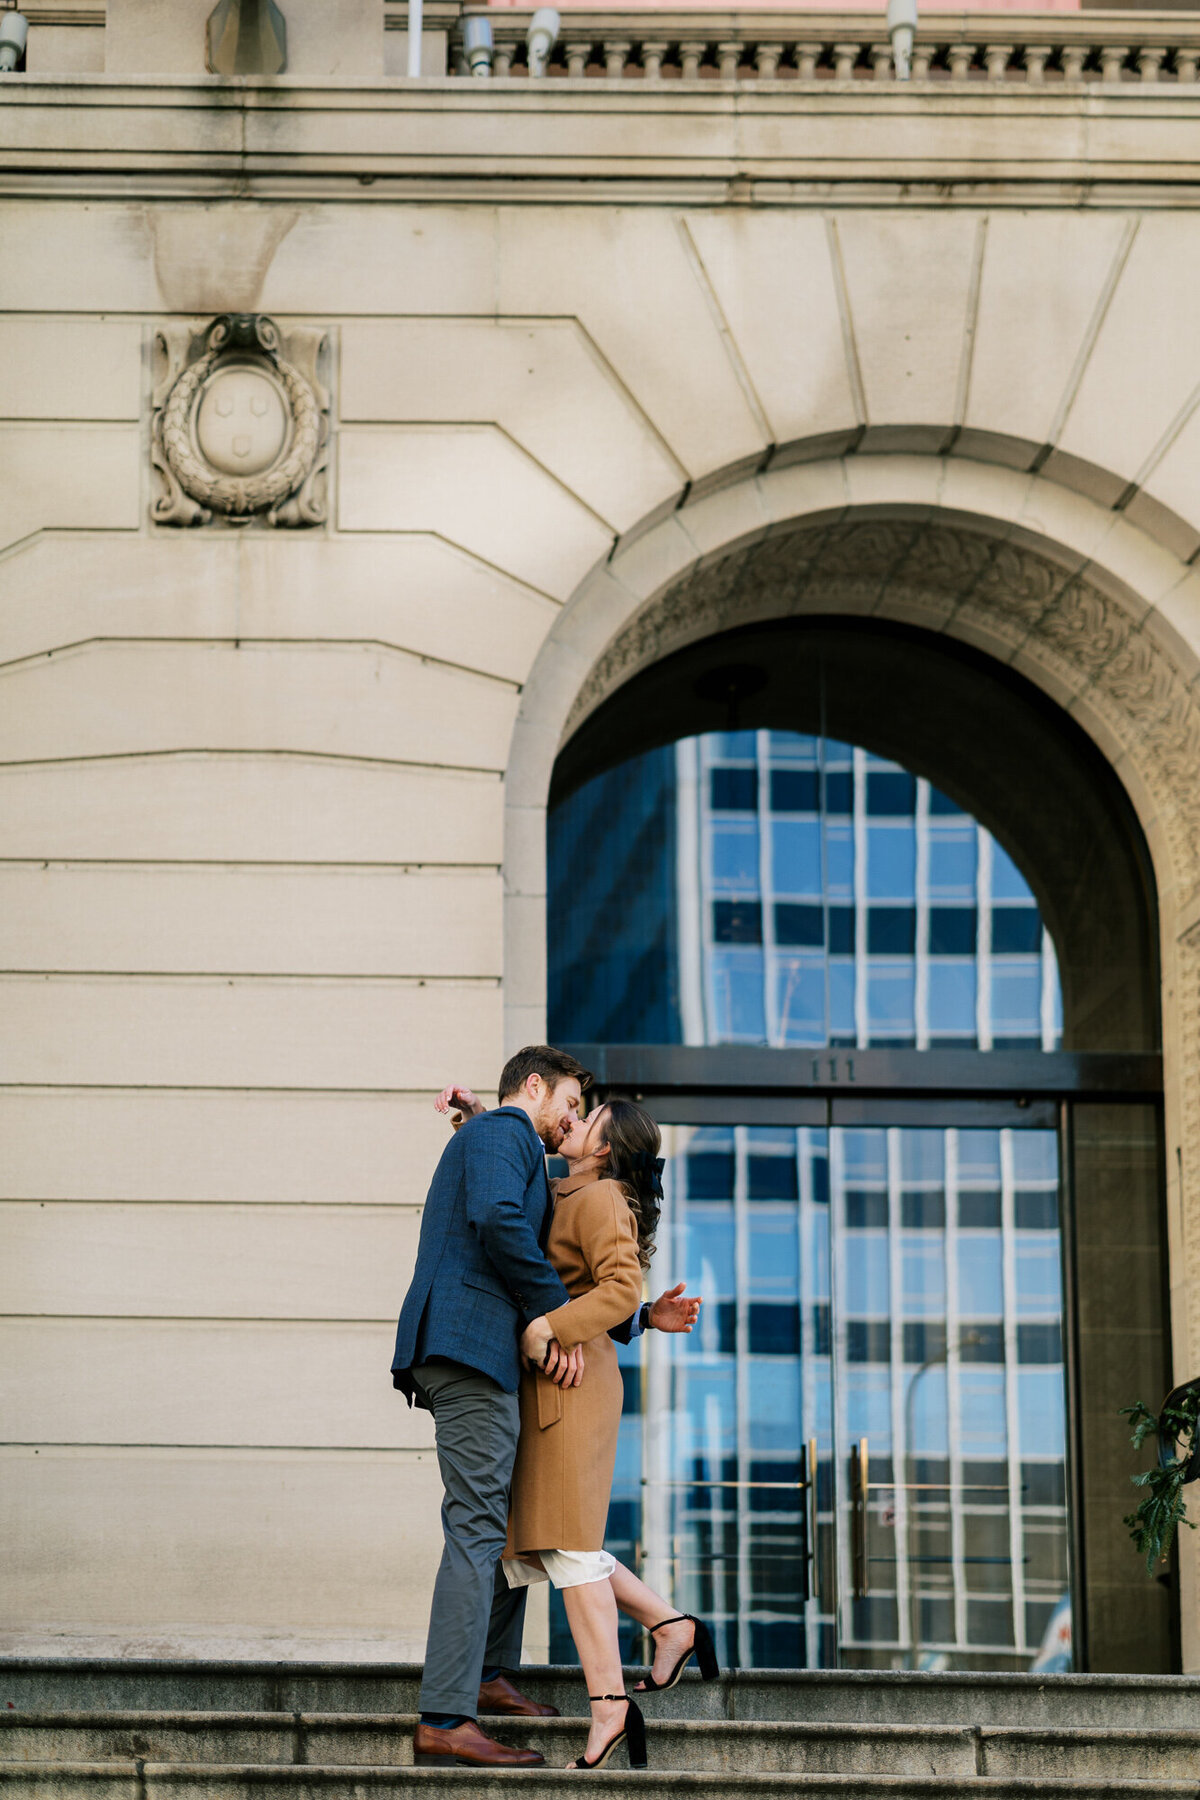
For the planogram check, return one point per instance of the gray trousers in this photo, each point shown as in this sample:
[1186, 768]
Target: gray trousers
[476, 1619]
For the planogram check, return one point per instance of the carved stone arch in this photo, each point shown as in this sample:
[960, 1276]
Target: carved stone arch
[1082, 635]
[1090, 609]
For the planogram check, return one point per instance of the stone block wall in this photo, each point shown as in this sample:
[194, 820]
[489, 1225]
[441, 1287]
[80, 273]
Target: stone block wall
[271, 801]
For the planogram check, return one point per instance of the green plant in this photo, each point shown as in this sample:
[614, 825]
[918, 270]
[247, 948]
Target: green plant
[1153, 1525]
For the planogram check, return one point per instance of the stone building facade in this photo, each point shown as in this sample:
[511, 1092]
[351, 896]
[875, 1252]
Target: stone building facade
[545, 362]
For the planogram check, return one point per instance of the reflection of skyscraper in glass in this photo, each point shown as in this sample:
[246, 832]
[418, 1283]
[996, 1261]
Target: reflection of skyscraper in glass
[771, 888]
[900, 1284]
[839, 900]
[612, 920]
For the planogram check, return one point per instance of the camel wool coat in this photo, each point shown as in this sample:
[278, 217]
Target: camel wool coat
[568, 1445]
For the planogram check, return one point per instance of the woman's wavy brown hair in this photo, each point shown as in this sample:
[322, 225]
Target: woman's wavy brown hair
[634, 1141]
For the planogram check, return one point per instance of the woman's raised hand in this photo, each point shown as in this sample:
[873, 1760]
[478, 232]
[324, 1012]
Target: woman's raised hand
[463, 1098]
[674, 1310]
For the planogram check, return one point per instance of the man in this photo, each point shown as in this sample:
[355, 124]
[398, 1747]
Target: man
[477, 1302]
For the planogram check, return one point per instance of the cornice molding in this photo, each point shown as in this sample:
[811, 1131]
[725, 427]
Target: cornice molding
[704, 142]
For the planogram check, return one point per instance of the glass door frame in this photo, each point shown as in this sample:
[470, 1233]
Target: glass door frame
[748, 1085]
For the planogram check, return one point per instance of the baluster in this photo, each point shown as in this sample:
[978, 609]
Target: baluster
[652, 60]
[1112, 56]
[1073, 58]
[881, 61]
[1149, 62]
[806, 61]
[960, 57]
[502, 59]
[616, 55]
[922, 56]
[1185, 64]
[844, 58]
[691, 55]
[996, 59]
[766, 60]
[578, 56]
[729, 55]
[1036, 58]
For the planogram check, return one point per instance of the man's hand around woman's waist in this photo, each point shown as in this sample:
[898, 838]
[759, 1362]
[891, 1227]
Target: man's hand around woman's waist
[540, 1349]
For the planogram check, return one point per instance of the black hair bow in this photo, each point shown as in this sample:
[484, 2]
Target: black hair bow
[642, 1163]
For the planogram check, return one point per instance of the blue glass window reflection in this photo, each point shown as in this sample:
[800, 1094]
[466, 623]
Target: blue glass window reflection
[866, 1287]
[769, 887]
[923, 1276]
[1041, 1411]
[1034, 1156]
[980, 1275]
[978, 1154]
[710, 1253]
[735, 859]
[953, 863]
[983, 1425]
[801, 1001]
[1038, 1274]
[891, 862]
[952, 1001]
[891, 993]
[928, 1408]
[839, 862]
[774, 1397]
[737, 1002]
[923, 1158]
[774, 1255]
[868, 1405]
[944, 1330]
[1016, 1003]
[796, 851]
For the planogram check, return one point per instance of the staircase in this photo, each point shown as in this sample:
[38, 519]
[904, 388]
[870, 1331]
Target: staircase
[126, 1730]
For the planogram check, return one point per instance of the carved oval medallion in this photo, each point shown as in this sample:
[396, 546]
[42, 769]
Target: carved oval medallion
[242, 421]
[240, 430]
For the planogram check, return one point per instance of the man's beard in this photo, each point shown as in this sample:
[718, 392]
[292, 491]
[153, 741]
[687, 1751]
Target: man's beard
[550, 1128]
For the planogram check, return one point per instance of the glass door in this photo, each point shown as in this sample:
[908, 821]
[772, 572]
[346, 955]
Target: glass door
[859, 1458]
[735, 1426]
[949, 1382]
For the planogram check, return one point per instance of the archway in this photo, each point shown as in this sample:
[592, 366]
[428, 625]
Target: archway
[1080, 626]
[981, 735]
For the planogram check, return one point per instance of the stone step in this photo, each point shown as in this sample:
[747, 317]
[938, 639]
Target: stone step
[856, 1697]
[723, 1747]
[241, 1781]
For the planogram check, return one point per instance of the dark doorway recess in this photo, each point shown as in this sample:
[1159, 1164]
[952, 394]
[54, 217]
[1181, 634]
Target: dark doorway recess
[921, 709]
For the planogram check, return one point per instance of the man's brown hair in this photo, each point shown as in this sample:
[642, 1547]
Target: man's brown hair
[541, 1059]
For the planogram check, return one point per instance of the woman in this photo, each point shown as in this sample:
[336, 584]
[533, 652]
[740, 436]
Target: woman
[600, 1241]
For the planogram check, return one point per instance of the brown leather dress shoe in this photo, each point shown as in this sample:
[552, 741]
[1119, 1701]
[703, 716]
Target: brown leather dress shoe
[500, 1696]
[467, 1744]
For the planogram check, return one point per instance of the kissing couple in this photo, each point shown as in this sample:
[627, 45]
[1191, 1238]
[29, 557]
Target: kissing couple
[507, 1336]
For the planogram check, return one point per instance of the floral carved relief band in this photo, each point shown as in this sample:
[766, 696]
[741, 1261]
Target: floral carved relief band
[240, 427]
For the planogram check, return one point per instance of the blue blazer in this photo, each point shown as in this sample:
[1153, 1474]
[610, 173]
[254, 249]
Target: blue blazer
[480, 1275]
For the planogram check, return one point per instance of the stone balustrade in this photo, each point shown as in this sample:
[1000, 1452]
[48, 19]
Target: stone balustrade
[1032, 48]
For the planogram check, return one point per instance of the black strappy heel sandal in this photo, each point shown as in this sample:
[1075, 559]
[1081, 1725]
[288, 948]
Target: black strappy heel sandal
[702, 1650]
[633, 1733]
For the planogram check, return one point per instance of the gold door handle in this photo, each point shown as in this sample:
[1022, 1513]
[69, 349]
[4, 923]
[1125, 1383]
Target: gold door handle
[814, 1557]
[860, 1483]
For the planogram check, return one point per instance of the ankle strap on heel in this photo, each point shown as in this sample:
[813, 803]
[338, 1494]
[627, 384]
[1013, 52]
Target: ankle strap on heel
[608, 1696]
